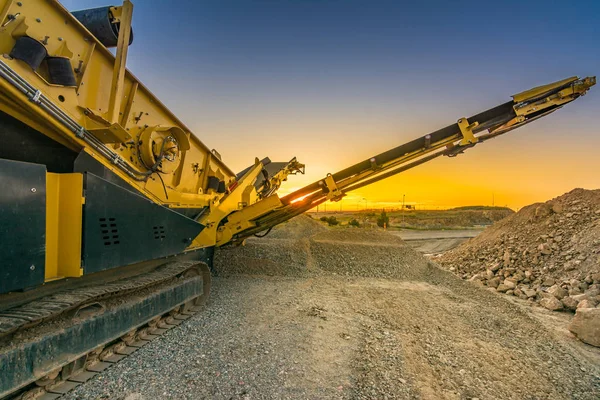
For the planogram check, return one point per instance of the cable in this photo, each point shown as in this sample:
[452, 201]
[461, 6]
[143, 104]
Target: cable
[163, 183]
[266, 233]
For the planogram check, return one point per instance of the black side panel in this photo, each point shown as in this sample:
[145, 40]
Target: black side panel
[86, 163]
[122, 228]
[23, 143]
[192, 213]
[22, 224]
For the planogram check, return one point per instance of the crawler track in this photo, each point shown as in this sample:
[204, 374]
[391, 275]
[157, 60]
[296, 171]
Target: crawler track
[46, 361]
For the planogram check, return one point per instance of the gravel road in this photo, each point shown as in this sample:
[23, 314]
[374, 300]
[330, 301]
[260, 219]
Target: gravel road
[432, 242]
[341, 328]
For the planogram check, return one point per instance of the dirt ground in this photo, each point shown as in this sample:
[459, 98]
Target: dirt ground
[433, 242]
[333, 325]
[456, 218]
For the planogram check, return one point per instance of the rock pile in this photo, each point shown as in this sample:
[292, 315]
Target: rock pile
[304, 247]
[300, 227]
[547, 252]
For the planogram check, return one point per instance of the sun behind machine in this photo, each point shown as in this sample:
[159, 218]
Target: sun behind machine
[111, 208]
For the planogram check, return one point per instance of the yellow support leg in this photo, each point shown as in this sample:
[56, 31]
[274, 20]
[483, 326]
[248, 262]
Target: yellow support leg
[64, 212]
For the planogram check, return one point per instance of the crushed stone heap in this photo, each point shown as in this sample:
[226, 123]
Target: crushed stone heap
[547, 252]
[305, 247]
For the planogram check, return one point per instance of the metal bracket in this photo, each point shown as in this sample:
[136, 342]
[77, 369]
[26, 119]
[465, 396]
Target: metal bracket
[466, 130]
[334, 194]
[36, 97]
[373, 162]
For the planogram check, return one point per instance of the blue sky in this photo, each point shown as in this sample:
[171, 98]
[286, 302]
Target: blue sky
[334, 82]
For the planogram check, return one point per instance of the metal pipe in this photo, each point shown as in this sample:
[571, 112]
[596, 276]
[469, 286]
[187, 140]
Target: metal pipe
[58, 114]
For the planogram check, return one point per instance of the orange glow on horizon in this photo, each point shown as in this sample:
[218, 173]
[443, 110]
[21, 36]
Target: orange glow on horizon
[511, 171]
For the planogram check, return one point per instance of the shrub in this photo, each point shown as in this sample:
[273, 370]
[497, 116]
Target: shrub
[355, 223]
[332, 221]
[383, 219]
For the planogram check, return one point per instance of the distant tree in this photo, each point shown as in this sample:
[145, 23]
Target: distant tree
[354, 222]
[324, 219]
[332, 221]
[383, 219]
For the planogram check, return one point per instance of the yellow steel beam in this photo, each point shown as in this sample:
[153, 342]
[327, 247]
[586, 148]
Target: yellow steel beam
[64, 212]
[116, 94]
[244, 218]
[540, 90]
[230, 203]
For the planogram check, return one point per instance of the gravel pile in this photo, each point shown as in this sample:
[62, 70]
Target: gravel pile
[264, 257]
[283, 252]
[366, 253]
[548, 253]
[300, 227]
[304, 247]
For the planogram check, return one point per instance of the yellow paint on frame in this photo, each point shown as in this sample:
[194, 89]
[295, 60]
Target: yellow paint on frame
[64, 212]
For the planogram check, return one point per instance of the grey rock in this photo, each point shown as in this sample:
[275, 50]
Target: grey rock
[511, 284]
[580, 297]
[557, 291]
[587, 303]
[569, 303]
[586, 325]
[502, 288]
[551, 303]
[494, 282]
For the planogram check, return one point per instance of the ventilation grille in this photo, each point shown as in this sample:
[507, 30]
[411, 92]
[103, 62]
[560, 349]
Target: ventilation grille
[110, 232]
[159, 232]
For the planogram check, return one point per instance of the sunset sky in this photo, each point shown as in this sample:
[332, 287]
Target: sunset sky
[335, 82]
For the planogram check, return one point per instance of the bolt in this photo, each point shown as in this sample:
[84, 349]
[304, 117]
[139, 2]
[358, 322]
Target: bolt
[19, 3]
[33, 190]
[38, 20]
[32, 267]
[60, 39]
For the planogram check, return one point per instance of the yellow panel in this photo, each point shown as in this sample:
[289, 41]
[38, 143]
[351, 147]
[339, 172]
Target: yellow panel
[64, 211]
[51, 269]
[539, 90]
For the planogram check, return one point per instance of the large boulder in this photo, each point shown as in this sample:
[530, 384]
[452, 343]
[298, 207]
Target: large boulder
[586, 325]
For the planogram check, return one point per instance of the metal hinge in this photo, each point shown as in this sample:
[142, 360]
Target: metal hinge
[334, 193]
[466, 130]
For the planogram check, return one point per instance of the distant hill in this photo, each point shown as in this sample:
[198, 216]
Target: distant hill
[480, 208]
